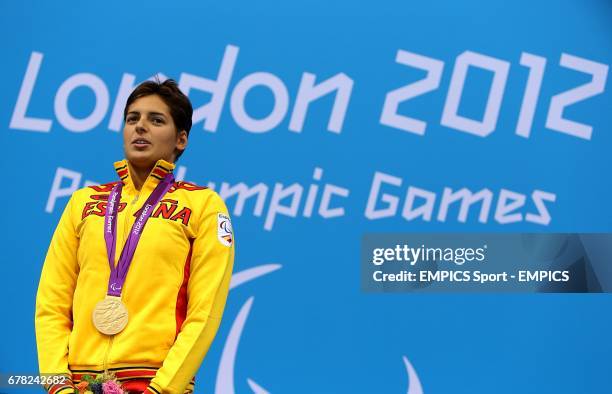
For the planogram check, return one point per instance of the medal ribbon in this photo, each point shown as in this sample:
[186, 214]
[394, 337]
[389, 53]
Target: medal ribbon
[119, 273]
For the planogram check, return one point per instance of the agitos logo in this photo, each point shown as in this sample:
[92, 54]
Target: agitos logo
[167, 209]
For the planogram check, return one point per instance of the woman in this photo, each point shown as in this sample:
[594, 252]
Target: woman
[141, 302]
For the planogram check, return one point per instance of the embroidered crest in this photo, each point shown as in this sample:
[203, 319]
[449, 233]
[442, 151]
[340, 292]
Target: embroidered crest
[224, 230]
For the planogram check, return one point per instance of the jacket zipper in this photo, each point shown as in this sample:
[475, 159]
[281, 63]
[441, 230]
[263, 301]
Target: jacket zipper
[108, 348]
[125, 234]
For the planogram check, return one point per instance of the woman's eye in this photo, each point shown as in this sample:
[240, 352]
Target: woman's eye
[158, 120]
[131, 119]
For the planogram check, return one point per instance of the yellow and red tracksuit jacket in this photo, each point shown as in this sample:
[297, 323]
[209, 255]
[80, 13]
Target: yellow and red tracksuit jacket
[175, 290]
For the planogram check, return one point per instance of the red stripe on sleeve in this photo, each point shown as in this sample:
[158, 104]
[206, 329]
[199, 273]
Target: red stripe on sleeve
[181, 300]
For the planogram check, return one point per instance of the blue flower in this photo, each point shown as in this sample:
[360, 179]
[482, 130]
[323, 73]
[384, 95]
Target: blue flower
[96, 388]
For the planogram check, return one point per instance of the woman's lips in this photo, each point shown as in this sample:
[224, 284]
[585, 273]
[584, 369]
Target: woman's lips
[141, 143]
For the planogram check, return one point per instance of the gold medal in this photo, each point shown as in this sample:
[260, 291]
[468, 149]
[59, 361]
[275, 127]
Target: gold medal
[110, 316]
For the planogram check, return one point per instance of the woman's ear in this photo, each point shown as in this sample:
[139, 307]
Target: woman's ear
[181, 140]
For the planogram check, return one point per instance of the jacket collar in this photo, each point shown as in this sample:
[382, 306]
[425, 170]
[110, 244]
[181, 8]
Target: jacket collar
[161, 168]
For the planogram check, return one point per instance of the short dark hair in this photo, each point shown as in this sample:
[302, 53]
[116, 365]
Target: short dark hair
[179, 104]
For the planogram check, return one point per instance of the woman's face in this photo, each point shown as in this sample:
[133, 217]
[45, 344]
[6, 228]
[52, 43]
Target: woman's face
[149, 133]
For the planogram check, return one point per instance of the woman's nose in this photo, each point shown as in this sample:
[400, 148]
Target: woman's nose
[140, 125]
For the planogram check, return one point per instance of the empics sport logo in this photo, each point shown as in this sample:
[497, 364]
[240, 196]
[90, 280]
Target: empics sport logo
[224, 230]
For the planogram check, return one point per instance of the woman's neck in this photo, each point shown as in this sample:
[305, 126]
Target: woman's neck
[139, 174]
